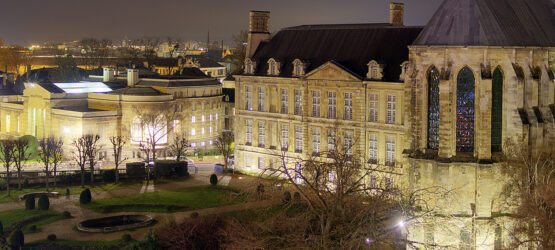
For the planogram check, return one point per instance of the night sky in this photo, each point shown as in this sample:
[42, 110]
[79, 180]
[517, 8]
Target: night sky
[26, 21]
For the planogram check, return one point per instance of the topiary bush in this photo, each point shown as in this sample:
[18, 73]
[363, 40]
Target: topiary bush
[126, 238]
[16, 239]
[51, 237]
[66, 214]
[67, 191]
[85, 197]
[213, 179]
[30, 203]
[135, 170]
[109, 175]
[44, 202]
[33, 228]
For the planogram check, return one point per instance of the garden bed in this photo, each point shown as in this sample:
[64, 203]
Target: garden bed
[114, 223]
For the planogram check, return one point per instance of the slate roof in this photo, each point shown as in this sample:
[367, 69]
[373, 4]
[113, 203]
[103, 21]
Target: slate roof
[351, 45]
[491, 23]
[137, 91]
[205, 62]
[178, 82]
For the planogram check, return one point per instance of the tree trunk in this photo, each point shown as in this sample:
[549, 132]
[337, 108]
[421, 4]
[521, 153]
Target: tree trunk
[117, 174]
[46, 179]
[83, 177]
[55, 167]
[92, 174]
[19, 179]
[8, 180]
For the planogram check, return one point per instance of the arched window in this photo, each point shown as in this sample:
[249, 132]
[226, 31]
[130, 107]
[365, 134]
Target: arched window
[433, 108]
[497, 110]
[465, 111]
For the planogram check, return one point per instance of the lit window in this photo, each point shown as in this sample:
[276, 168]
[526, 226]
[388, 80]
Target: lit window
[248, 132]
[202, 143]
[465, 110]
[193, 132]
[298, 139]
[193, 107]
[331, 140]
[433, 108]
[193, 144]
[348, 115]
[373, 101]
[348, 142]
[193, 119]
[248, 98]
[261, 134]
[210, 142]
[332, 102]
[216, 116]
[284, 102]
[391, 109]
[373, 149]
[155, 130]
[298, 102]
[316, 140]
[248, 163]
[390, 151]
[315, 103]
[202, 118]
[261, 99]
[202, 131]
[284, 137]
[210, 117]
[260, 162]
[8, 123]
[210, 130]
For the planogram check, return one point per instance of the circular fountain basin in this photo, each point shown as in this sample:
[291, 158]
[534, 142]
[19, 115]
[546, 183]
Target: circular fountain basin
[114, 223]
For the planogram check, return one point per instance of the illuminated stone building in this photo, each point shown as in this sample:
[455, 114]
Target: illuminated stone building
[105, 105]
[431, 107]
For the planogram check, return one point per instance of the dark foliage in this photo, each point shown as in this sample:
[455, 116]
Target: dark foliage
[44, 202]
[30, 203]
[85, 196]
[126, 238]
[51, 237]
[199, 233]
[66, 214]
[109, 175]
[214, 179]
[16, 239]
[286, 198]
[135, 170]
[1, 228]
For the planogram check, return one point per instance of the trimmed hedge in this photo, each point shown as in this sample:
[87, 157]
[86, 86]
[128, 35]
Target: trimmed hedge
[85, 196]
[44, 202]
[30, 203]
[109, 175]
[51, 237]
[135, 169]
[170, 168]
[73, 178]
[17, 239]
[213, 179]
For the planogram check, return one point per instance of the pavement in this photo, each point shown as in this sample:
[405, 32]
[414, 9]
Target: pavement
[64, 229]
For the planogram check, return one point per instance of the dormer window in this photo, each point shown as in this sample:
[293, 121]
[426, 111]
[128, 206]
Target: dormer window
[273, 67]
[404, 70]
[250, 66]
[375, 70]
[299, 67]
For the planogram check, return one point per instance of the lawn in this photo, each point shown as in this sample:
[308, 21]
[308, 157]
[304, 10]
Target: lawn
[73, 189]
[74, 244]
[164, 201]
[35, 217]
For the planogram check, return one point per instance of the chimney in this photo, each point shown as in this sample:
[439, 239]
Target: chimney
[396, 12]
[259, 30]
[132, 77]
[108, 74]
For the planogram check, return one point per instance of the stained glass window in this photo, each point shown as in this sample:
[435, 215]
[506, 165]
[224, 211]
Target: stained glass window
[465, 111]
[433, 108]
[497, 111]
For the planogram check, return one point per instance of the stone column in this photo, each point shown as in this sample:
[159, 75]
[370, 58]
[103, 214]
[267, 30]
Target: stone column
[445, 117]
[482, 122]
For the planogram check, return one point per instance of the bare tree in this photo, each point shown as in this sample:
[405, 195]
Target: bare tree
[58, 156]
[45, 156]
[224, 145]
[22, 153]
[117, 146]
[7, 151]
[149, 49]
[92, 149]
[239, 51]
[179, 146]
[95, 51]
[173, 46]
[80, 156]
[155, 124]
[530, 191]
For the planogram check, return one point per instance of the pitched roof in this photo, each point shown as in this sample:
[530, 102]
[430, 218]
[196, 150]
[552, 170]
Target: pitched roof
[491, 23]
[178, 82]
[205, 62]
[137, 91]
[351, 45]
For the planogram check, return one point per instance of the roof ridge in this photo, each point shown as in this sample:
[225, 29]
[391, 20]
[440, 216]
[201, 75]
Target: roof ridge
[346, 26]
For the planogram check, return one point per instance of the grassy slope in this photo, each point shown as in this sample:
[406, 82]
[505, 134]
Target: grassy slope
[11, 216]
[191, 198]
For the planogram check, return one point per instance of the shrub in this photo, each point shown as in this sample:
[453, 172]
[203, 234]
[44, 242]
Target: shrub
[16, 239]
[181, 169]
[164, 168]
[1, 228]
[109, 175]
[44, 202]
[194, 215]
[30, 203]
[135, 170]
[286, 198]
[214, 179]
[51, 237]
[26, 182]
[126, 238]
[85, 196]
[199, 233]
[67, 191]
[3, 185]
[33, 228]
[66, 214]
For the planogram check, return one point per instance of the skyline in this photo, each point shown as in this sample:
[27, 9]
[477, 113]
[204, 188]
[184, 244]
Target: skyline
[186, 20]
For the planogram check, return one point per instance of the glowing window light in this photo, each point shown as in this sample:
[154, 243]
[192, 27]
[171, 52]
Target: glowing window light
[83, 87]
